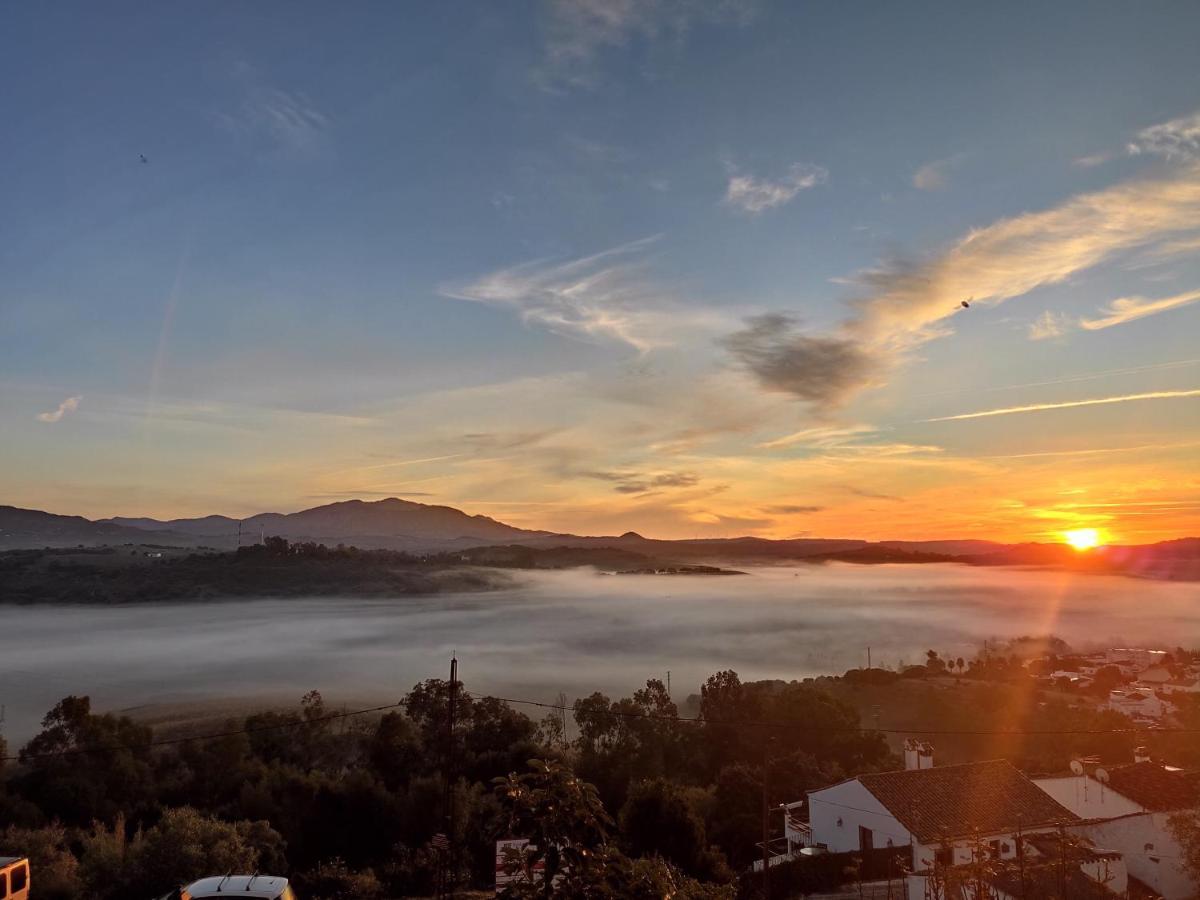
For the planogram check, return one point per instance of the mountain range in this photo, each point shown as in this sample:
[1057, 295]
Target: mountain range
[396, 524]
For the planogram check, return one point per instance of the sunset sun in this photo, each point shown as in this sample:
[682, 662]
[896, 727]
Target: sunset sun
[1082, 538]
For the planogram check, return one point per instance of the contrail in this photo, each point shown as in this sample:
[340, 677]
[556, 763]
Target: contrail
[1095, 401]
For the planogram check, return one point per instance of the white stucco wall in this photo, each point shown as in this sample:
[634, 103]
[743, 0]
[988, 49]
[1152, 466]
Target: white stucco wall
[1086, 797]
[855, 806]
[1160, 866]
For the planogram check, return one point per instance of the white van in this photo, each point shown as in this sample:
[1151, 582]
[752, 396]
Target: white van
[259, 887]
[14, 878]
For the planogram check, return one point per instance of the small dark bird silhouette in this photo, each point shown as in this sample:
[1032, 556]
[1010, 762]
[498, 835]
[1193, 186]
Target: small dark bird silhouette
[142, 157]
[966, 305]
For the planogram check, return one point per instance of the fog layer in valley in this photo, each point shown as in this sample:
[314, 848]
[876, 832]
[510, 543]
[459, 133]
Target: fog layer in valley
[571, 631]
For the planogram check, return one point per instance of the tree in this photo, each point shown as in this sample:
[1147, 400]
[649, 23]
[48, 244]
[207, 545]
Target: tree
[49, 852]
[84, 766]
[1186, 828]
[568, 829]
[333, 880]
[657, 820]
[183, 846]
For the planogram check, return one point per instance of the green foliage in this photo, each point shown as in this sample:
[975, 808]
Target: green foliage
[333, 880]
[659, 820]
[48, 849]
[1186, 828]
[352, 805]
[182, 846]
[569, 833]
[84, 766]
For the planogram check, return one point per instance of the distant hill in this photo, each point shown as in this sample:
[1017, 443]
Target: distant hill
[395, 524]
[390, 523]
[34, 528]
[209, 526]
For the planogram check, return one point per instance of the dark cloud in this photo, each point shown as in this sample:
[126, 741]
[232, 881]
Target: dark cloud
[859, 492]
[787, 509]
[822, 370]
[635, 483]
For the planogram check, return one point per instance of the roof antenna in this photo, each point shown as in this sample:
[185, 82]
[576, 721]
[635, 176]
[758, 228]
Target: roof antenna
[224, 878]
[251, 880]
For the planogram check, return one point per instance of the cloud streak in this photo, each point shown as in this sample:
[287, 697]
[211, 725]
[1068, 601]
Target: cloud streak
[1127, 309]
[606, 296]
[67, 406]
[1068, 404]
[934, 176]
[1048, 325]
[754, 195]
[579, 32]
[905, 304]
[1176, 139]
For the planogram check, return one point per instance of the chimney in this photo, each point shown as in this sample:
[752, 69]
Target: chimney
[925, 756]
[917, 754]
[1141, 754]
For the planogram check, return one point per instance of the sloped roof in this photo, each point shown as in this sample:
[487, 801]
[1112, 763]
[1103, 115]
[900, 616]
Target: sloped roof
[1155, 787]
[953, 801]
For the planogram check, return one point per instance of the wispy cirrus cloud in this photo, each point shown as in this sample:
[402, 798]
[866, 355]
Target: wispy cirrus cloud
[1127, 309]
[1069, 404]
[288, 119]
[904, 304]
[754, 195]
[934, 176]
[578, 32]
[608, 295]
[830, 436]
[1176, 139]
[1048, 325]
[67, 406]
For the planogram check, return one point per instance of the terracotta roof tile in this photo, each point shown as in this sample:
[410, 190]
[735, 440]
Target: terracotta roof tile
[954, 801]
[1156, 788]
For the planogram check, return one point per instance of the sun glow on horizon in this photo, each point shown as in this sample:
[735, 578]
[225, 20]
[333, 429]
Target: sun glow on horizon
[1083, 538]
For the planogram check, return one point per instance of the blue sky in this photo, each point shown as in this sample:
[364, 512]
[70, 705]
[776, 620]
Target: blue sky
[596, 264]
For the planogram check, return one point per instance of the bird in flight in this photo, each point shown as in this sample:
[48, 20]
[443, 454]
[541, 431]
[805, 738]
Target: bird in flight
[142, 157]
[966, 304]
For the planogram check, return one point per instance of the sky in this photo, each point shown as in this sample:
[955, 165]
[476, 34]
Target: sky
[679, 267]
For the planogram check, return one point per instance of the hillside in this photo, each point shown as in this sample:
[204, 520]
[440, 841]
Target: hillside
[419, 528]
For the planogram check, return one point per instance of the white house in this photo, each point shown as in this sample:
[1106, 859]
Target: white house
[937, 811]
[1136, 703]
[1139, 657]
[1126, 808]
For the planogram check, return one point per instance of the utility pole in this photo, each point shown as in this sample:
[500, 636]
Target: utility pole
[668, 682]
[449, 801]
[868, 657]
[766, 818]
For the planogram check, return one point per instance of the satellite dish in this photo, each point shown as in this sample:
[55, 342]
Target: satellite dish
[1076, 767]
[1102, 776]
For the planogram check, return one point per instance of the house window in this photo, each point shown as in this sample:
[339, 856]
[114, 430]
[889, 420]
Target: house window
[866, 838]
[20, 877]
[3, 884]
[944, 856]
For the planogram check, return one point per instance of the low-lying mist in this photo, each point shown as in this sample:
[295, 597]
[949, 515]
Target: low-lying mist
[572, 631]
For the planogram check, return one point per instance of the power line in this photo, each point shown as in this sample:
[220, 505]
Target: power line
[792, 724]
[786, 725]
